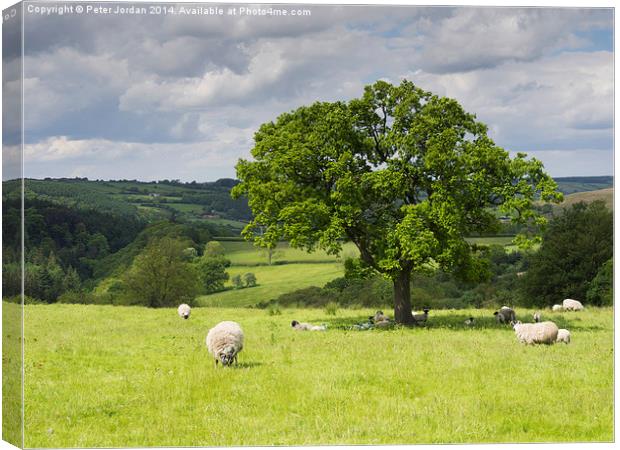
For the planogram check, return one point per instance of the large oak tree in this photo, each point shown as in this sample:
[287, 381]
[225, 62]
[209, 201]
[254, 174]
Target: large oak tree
[403, 174]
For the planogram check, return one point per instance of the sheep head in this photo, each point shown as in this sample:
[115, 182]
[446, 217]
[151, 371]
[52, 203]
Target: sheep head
[227, 355]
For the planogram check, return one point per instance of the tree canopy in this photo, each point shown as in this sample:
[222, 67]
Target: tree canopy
[575, 246]
[400, 172]
[160, 277]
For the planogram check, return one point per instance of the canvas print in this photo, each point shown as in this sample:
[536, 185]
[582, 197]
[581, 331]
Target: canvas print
[306, 224]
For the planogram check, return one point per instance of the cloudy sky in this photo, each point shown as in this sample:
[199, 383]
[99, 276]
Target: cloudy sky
[153, 97]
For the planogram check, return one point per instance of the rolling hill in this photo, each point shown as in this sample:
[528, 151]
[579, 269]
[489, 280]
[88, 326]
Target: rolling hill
[606, 195]
[570, 185]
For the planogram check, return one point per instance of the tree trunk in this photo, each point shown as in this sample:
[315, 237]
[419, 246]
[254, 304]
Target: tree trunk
[402, 299]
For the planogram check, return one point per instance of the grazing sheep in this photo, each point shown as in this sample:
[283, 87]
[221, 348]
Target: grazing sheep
[535, 333]
[572, 305]
[556, 308]
[225, 341]
[563, 336]
[505, 315]
[307, 326]
[184, 311]
[421, 318]
[469, 322]
[537, 317]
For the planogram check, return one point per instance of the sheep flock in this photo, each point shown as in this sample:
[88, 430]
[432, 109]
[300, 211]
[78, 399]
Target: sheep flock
[225, 340]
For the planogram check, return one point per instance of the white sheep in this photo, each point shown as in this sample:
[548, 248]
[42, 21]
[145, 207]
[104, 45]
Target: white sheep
[505, 315]
[563, 336]
[184, 311]
[572, 305]
[225, 341]
[380, 320]
[535, 333]
[379, 317]
[420, 318]
[556, 308]
[307, 326]
[537, 316]
[469, 322]
[384, 324]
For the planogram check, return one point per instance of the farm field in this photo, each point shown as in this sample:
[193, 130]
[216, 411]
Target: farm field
[246, 254]
[292, 269]
[272, 282]
[104, 376]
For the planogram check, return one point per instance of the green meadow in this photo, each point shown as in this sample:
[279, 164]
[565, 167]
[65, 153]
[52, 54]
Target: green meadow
[113, 376]
[105, 376]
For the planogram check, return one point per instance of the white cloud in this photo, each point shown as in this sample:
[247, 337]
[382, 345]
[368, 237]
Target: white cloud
[539, 104]
[60, 156]
[215, 86]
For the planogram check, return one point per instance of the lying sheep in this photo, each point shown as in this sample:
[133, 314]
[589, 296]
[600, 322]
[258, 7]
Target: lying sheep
[421, 318]
[307, 326]
[505, 315]
[184, 311]
[469, 322]
[572, 305]
[384, 324]
[556, 308]
[378, 317]
[563, 336]
[225, 341]
[380, 320]
[535, 333]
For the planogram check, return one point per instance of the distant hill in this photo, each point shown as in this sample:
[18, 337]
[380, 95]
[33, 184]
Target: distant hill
[570, 185]
[146, 201]
[607, 195]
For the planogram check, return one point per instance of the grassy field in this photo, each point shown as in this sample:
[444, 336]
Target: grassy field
[292, 269]
[505, 241]
[272, 282]
[128, 376]
[246, 254]
[11, 374]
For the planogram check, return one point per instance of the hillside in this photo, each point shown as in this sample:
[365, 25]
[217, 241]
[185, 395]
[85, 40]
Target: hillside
[171, 199]
[606, 195]
[147, 201]
[570, 185]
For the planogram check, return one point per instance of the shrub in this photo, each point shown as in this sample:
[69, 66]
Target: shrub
[236, 281]
[249, 279]
[600, 289]
[212, 272]
[331, 309]
[274, 310]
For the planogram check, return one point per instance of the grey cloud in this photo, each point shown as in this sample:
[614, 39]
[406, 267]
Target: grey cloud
[483, 38]
[195, 86]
